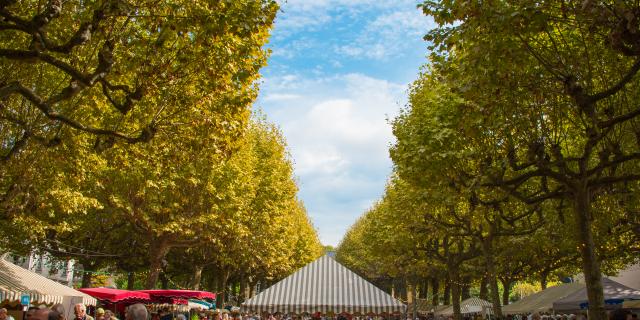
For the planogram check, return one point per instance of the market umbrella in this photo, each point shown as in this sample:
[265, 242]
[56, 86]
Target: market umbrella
[109, 295]
[168, 295]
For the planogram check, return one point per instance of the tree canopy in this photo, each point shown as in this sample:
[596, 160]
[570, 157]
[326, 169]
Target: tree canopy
[523, 122]
[128, 143]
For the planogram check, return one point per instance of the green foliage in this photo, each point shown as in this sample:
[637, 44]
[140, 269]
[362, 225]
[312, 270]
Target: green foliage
[519, 139]
[139, 147]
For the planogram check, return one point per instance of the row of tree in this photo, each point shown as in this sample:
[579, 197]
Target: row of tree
[127, 142]
[517, 157]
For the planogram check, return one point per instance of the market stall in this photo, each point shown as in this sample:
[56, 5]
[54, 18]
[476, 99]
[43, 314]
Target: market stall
[178, 300]
[469, 306]
[542, 301]
[327, 287]
[16, 281]
[109, 295]
[163, 296]
[614, 295]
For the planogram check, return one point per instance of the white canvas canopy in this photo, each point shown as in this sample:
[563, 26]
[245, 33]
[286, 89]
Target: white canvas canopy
[324, 286]
[542, 301]
[471, 305]
[614, 294]
[16, 281]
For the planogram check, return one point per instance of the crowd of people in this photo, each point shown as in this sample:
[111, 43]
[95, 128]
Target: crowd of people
[617, 314]
[140, 312]
[57, 312]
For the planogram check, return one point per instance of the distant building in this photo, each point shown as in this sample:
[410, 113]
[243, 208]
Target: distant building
[60, 271]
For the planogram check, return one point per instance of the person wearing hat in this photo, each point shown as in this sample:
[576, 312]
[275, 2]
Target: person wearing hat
[100, 314]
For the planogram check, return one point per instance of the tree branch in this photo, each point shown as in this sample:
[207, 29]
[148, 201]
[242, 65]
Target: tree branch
[15, 88]
[618, 86]
[612, 180]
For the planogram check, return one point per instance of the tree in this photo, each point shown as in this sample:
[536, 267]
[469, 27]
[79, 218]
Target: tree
[98, 74]
[119, 69]
[554, 84]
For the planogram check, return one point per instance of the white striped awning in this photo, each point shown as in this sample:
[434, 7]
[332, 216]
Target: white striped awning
[16, 281]
[471, 305]
[324, 286]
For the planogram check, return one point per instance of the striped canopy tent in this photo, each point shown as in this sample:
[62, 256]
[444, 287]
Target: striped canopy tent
[614, 295]
[324, 286]
[542, 301]
[467, 306]
[16, 281]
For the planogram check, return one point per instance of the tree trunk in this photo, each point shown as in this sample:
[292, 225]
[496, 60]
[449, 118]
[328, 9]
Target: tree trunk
[415, 301]
[86, 280]
[446, 299]
[223, 286]
[454, 280]
[484, 290]
[252, 291]
[197, 277]
[435, 288]
[491, 271]
[466, 288]
[543, 280]
[410, 296]
[157, 251]
[164, 281]
[131, 281]
[424, 288]
[590, 263]
[506, 290]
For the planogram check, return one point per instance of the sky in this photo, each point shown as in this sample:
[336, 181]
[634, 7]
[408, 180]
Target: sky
[338, 72]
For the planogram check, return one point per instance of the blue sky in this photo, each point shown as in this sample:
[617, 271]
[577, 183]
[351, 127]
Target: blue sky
[339, 70]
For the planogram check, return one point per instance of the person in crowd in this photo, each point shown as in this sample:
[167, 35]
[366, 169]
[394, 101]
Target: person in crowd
[4, 314]
[100, 314]
[58, 308]
[80, 310]
[30, 312]
[109, 315]
[137, 312]
[165, 314]
[619, 314]
[43, 314]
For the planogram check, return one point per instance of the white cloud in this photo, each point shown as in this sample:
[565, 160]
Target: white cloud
[384, 36]
[281, 97]
[337, 131]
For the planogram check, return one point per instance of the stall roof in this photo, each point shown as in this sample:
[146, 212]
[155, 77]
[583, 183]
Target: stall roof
[110, 295]
[614, 294]
[180, 294]
[542, 301]
[324, 286]
[16, 281]
[470, 305]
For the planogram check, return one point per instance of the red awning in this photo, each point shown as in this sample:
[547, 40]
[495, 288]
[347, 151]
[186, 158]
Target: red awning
[109, 295]
[163, 295]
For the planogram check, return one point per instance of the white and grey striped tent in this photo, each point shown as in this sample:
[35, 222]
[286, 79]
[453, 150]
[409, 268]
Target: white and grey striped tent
[471, 305]
[16, 281]
[324, 286]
